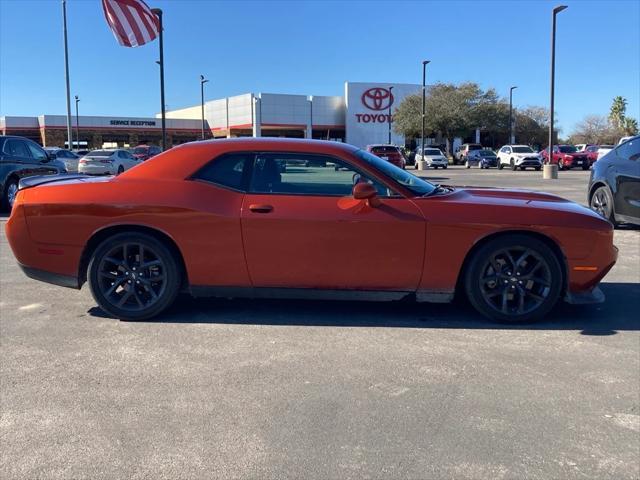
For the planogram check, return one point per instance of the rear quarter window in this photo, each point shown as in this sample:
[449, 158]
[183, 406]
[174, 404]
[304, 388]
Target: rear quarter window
[227, 170]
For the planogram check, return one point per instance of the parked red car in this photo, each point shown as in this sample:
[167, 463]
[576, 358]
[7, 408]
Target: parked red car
[592, 153]
[145, 152]
[224, 218]
[390, 153]
[566, 157]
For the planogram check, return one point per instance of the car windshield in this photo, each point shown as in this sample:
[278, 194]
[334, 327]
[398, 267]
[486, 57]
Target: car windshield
[384, 149]
[592, 149]
[417, 185]
[100, 153]
[432, 151]
[139, 150]
[522, 150]
[568, 149]
[487, 153]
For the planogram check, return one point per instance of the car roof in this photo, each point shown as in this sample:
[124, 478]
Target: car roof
[517, 146]
[183, 160]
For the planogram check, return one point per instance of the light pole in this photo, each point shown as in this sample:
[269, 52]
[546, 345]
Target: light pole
[202, 82]
[158, 13]
[424, 93]
[556, 10]
[389, 115]
[511, 140]
[77, 124]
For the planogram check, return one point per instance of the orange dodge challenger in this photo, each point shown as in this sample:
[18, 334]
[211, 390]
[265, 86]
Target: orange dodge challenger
[304, 219]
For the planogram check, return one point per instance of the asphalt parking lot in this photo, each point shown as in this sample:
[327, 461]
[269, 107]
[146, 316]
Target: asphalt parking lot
[326, 390]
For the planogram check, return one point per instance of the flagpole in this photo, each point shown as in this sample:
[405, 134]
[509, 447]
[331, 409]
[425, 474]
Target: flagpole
[158, 13]
[66, 67]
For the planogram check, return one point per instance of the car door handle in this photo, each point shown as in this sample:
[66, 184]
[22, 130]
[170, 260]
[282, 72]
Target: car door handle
[257, 208]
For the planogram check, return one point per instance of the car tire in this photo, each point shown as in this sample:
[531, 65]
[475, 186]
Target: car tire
[601, 202]
[444, 166]
[514, 279]
[500, 166]
[585, 167]
[9, 194]
[146, 277]
[120, 170]
[513, 165]
[537, 169]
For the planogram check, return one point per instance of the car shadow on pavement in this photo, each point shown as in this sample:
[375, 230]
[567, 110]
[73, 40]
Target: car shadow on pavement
[617, 313]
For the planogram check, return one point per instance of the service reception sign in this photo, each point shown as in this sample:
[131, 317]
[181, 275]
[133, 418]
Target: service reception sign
[370, 108]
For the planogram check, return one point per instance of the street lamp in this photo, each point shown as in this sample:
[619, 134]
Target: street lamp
[511, 140]
[424, 90]
[77, 125]
[389, 115]
[202, 82]
[556, 10]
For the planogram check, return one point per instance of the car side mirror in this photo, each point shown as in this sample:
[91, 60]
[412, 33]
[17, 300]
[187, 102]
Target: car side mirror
[50, 156]
[366, 191]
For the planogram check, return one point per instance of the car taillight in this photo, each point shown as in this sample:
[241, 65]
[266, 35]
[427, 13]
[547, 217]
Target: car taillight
[106, 160]
[83, 161]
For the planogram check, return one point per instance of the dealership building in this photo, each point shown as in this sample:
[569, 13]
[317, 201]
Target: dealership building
[361, 117]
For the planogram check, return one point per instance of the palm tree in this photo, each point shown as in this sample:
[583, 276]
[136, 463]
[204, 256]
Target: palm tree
[630, 126]
[617, 112]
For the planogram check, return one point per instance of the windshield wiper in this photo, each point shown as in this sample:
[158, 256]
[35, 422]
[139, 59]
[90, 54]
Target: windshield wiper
[438, 189]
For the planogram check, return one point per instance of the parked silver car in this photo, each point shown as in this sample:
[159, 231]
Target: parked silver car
[107, 162]
[69, 158]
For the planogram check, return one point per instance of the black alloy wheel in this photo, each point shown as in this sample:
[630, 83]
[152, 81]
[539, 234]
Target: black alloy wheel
[514, 279]
[133, 276]
[602, 202]
[513, 165]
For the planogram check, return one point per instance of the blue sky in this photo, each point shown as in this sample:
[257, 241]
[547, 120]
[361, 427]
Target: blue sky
[313, 47]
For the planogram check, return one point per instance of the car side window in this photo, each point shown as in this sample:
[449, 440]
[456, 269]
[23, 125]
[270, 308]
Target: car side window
[226, 170]
[304, 174]
[16, 148]
[507, 150]
[36, 152]
[629, 150]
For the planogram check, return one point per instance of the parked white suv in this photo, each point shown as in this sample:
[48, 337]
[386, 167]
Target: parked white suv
[433, 156]
[518, 156]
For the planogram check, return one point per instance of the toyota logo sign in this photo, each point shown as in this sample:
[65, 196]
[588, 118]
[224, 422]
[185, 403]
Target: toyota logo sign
[377, 98]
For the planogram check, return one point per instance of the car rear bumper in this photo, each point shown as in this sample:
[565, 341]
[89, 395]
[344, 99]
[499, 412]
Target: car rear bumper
[50, 277]
[99, 169]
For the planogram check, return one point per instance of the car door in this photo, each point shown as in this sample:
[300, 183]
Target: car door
[627, 179]
[303, 229]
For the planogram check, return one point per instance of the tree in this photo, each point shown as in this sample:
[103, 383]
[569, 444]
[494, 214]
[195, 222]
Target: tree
[618, 111]
[594, 129]
[630, 126]
[450, 110]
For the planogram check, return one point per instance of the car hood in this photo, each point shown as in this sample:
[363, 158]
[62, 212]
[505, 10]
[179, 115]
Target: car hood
[517, 207]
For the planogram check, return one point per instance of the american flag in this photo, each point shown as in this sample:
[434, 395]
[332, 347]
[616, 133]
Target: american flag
[131, 21]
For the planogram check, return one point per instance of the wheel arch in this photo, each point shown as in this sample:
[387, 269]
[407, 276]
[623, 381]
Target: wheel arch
[555, 248]
[597, 184]
[101, 235]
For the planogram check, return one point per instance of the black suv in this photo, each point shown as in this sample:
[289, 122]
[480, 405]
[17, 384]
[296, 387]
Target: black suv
[19, 158]
[614, 188]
